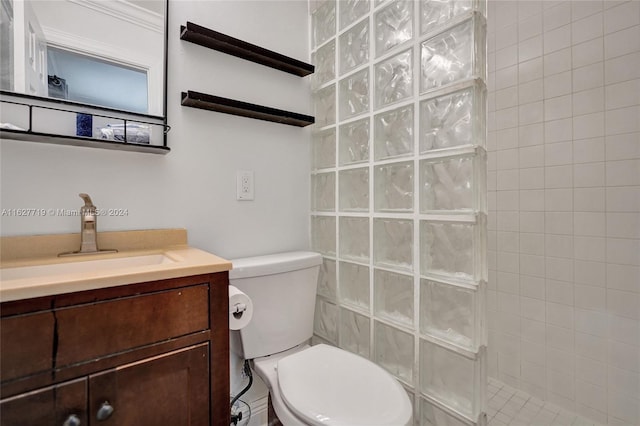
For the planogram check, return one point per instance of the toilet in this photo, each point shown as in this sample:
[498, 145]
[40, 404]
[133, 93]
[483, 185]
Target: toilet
[308, 385]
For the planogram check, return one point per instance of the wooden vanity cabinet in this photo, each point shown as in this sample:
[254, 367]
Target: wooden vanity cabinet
[153, 353]
[52, 405]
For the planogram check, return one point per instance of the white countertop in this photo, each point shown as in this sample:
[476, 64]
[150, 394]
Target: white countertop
[23, 277]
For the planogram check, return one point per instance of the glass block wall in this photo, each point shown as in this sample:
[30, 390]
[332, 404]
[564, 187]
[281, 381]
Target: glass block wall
[398, 194]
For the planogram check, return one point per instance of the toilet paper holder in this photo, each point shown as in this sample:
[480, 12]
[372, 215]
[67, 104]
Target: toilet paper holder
[238, 309]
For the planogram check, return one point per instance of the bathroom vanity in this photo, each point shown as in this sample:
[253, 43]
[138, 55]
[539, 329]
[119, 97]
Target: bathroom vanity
[146, 352]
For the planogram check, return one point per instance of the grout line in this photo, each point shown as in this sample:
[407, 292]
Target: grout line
[510, 406]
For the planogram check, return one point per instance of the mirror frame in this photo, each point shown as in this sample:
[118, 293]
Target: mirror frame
[32, 101]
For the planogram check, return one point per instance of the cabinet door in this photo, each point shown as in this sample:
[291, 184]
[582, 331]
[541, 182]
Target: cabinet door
[170, 389]
[62, 404]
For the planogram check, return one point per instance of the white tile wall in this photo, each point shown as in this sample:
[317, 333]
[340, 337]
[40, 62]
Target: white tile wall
[564, 206]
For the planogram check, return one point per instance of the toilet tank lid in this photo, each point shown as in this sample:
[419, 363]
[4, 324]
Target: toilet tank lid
[273, 264]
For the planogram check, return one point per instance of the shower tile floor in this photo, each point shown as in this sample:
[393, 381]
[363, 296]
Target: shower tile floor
[510, 406]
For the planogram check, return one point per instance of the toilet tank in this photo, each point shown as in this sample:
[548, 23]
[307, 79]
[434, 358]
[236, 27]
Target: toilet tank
[283, 290]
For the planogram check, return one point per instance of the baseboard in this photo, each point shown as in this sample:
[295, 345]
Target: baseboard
[259, 412]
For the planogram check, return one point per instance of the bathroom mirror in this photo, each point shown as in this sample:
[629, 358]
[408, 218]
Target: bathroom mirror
[108, 53]
[104, 53]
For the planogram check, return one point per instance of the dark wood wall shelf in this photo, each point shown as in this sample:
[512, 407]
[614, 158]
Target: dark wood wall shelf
[244, 109]
[241, 49]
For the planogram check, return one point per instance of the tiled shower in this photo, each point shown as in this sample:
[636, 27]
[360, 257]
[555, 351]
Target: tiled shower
[563, 197]
[564, 204]
[399, 202]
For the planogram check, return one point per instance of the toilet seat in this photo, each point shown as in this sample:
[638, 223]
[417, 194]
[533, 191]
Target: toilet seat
[324, 385]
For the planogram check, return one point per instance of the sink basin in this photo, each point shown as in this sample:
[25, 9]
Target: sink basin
[52, 275]
[84, 266]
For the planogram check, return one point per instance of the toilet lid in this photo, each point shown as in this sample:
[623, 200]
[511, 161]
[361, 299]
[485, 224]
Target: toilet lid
[329, 386]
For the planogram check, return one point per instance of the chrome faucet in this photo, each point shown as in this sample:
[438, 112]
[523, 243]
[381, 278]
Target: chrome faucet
[88, 229]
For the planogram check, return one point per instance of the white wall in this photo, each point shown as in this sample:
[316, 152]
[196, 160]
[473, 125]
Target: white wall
[564, 191]
[194, 185]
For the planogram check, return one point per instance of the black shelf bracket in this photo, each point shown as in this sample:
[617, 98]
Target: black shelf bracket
[244, 109]
[28, 136]
[223, 43]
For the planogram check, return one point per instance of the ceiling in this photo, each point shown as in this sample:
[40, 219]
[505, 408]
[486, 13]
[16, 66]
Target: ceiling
[157, 6]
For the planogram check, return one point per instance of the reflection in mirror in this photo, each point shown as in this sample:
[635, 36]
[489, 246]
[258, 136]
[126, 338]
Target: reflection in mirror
[99, 52]
[120, 87]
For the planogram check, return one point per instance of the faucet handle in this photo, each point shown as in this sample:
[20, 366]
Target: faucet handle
[87, 199]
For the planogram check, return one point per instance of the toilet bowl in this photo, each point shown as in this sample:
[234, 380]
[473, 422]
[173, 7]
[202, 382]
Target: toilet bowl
[324, 385]
[309, 385]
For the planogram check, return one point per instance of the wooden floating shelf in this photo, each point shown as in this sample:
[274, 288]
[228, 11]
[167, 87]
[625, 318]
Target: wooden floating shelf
[241, 49]
[244, 109]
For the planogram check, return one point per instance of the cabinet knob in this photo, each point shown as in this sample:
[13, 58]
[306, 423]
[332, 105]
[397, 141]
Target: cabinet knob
[104, 412]
[72, 420]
